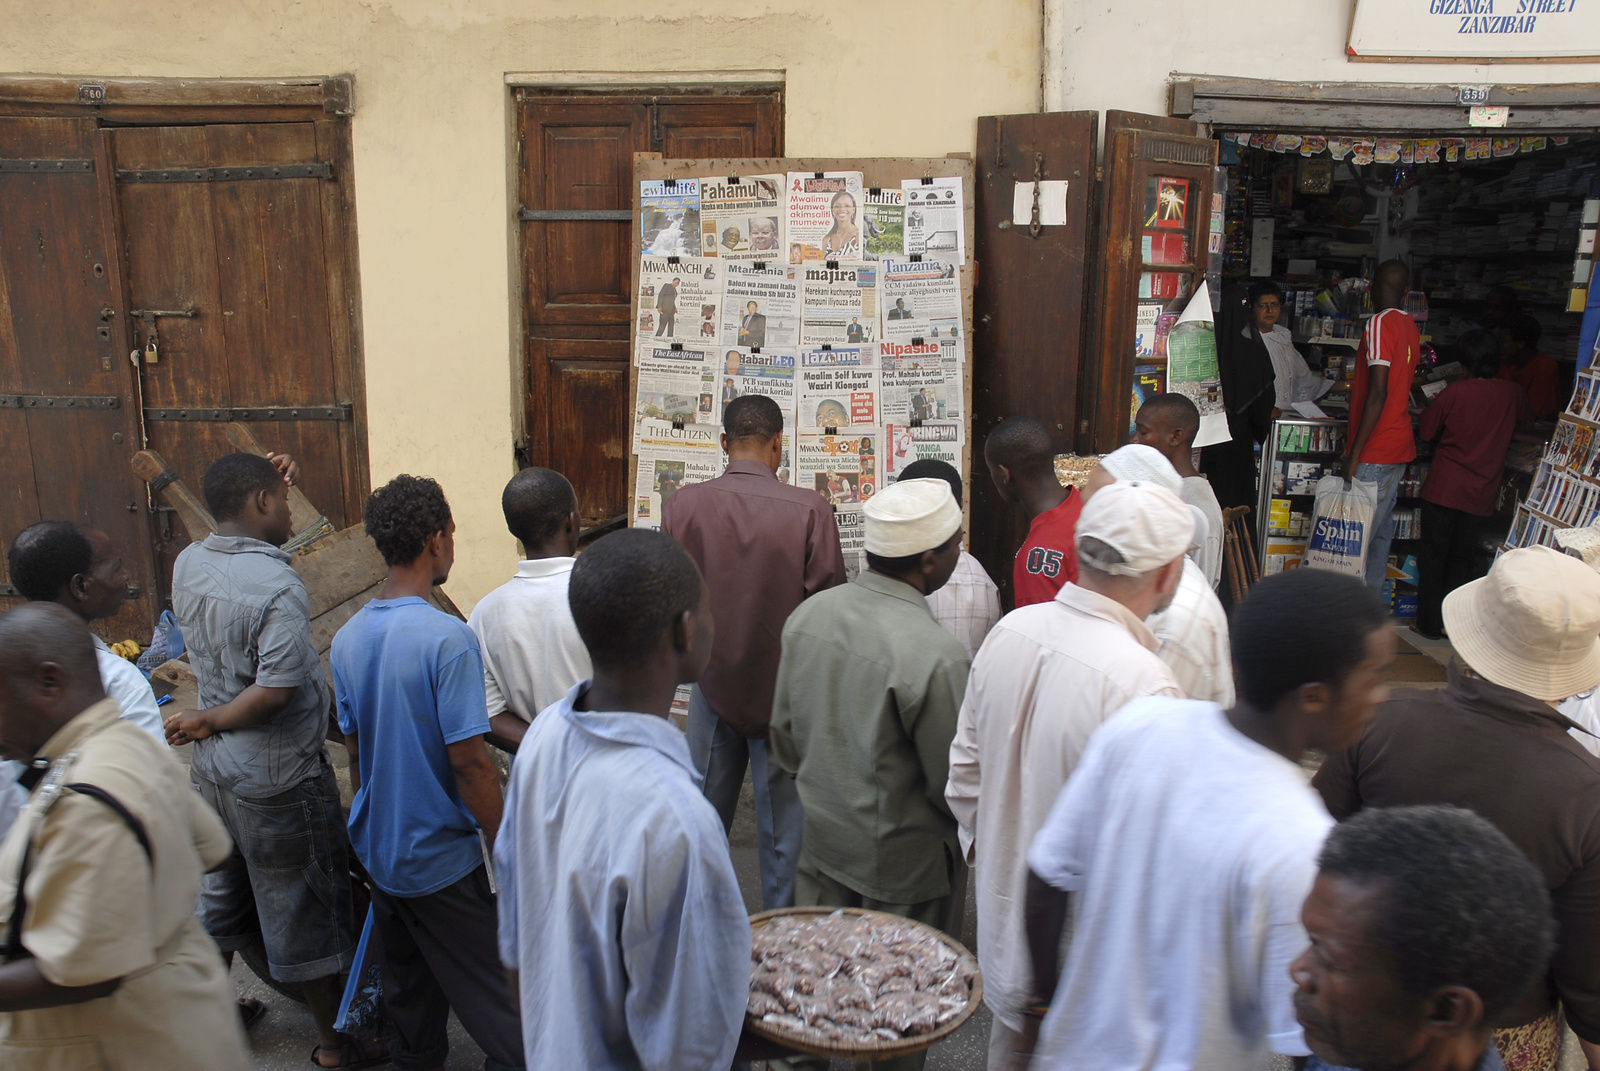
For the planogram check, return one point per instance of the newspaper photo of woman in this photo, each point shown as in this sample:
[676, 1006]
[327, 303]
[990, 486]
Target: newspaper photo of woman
[764, 234]
[844, 240]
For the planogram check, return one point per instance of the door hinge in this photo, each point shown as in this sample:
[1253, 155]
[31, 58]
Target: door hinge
[655, 126]
[227, 174]
[47, 167]
[304, 412]
[574, 213]
[60, 401]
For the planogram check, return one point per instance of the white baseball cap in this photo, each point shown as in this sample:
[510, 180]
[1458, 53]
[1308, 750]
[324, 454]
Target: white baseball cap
[910, 517]
[1145, 523]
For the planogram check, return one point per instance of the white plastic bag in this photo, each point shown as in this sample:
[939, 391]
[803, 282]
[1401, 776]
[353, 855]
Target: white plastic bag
[1341, 525]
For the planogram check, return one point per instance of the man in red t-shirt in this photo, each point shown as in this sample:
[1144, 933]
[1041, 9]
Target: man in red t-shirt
[1022, 465]
[1380, 442]
[1532, 369]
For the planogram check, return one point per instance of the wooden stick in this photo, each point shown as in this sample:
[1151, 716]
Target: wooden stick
[302, 514]
[149, 467]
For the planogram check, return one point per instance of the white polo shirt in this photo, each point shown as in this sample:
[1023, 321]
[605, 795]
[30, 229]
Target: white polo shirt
[532, 654]
[123, 682]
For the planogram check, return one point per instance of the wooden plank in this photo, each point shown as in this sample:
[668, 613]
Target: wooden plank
[206, 92]
[1556, 94]
[339, 567]
[1356, 118]
[148, 465]
[344, 311]
[326, 625]
[302, 514]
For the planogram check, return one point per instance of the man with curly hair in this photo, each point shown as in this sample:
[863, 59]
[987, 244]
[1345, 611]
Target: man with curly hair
[258, 756]
[410, 688]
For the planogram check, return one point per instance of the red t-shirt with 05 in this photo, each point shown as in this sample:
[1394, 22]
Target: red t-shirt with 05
[1048, 560]
[1390, 339]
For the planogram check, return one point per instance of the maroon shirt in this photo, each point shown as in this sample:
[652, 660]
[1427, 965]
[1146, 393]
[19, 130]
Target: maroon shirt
[763, 547]
[1473, 421]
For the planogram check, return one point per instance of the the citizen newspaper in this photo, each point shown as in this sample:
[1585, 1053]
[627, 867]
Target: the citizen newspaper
[844, 470]
[680, 299]
[838, 387]
[921, 299]
[743, 219]
[838, 302]
[675, 385]
[761, 304]
[769, 372]
[671, 458]
[823, 221]
[935, 218]
[883, 223]
[935, 440]
[921, 382]
[669, 218]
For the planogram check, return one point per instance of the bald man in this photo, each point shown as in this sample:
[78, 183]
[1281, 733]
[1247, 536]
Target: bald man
[103, 952]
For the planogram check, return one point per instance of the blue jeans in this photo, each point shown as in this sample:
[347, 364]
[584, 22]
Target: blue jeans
[1387, 477]
[720, 754]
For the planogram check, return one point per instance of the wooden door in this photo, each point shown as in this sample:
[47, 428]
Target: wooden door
[68, 415]
[576, 161]
[1029, 304]
[1155, 219]
[233, 241]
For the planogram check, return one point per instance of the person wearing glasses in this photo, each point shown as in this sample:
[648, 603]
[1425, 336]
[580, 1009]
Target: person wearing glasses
[1293, 380]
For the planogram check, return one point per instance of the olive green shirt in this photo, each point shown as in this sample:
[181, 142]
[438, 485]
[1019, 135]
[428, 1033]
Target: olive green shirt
[869, 686]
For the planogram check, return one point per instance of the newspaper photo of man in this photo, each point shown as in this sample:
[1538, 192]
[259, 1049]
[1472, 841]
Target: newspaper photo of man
[753, 326]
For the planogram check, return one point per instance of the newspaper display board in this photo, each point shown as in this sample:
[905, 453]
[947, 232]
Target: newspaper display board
[860, 339]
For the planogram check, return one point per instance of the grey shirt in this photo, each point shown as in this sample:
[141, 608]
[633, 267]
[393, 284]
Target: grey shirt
[246, 620]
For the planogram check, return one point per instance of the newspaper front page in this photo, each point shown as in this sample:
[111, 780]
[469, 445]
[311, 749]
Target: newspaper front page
[742, 220]
[844, 470]
[680, 299]
[838, 388]
[675, 385]
[936, 440]
[769, 372]
[669, 218]
[1192, 367]
[670, 459]
[920, 390]
[883, 223]
[935, 219]
[920, 299]
[823, 221]
[838, 305]
[761, 305]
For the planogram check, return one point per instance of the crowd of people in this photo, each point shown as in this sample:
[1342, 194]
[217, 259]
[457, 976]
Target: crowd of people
[1116, 765]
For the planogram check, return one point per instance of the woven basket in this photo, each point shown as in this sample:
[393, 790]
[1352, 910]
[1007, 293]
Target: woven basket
[883, 1050]
[1074, 471]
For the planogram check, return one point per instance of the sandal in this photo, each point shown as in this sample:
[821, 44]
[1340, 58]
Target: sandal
[250, 1011]
[352, 1054]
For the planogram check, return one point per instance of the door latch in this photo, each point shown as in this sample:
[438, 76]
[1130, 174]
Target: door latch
[152, 343]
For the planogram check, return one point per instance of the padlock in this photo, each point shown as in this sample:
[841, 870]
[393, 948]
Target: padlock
[151, 354]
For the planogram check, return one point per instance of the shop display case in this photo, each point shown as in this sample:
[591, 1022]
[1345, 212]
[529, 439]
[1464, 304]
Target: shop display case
[1298, 453]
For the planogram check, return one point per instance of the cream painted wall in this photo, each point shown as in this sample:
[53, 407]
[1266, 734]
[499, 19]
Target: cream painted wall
[431, 129]
[1120, 53]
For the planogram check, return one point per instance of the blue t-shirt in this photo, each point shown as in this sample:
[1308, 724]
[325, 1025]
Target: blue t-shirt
[409, 681]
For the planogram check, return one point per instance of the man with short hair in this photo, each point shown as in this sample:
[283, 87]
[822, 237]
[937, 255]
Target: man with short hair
[1168, 423]
[1426, 925]
[531, 649]
[258, 755]
[1380, 443]
[1525, 637]
[867, 697]
[1189, 838]
[667, 307]
[968, 605]
[763, 547]
[410, 682]
[621, 919]
[105, 964]
[79, 568]
[1022, 465]
[1045, 680]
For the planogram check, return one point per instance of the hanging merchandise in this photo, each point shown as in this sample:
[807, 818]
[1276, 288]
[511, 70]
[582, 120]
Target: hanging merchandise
[1192, 367]
[1396, 150]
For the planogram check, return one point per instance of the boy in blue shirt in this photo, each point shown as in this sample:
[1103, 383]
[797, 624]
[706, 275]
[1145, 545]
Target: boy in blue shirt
[409, 681]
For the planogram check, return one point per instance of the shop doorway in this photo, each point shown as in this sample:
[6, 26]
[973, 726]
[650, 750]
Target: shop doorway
[575, 174]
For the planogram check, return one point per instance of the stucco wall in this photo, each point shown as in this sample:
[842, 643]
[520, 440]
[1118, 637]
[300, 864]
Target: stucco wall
[432, 141]
[1120, 53]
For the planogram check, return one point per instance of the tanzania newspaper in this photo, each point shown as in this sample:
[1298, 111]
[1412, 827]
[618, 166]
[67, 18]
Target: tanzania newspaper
[844, 470]
[883, 223]
[769, 372]
[823, 221]
[742, 220]
[838, 388]
[761, 305]
[675, 385]
[935, 218]
[679, 302]
[936, 440]
[669, 218]
[838, 305]
[921, 299]
[671, 458]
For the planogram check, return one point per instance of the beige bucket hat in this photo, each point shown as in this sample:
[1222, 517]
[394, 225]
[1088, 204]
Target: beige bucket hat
[1532, 624]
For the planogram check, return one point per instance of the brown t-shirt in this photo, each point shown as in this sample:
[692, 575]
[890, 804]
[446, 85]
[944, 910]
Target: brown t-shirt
[1508, 757]
[762, 546]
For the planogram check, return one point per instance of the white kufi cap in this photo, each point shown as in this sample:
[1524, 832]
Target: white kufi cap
[1145, 463]
[910, 517]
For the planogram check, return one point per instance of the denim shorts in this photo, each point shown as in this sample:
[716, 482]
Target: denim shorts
[287, 883]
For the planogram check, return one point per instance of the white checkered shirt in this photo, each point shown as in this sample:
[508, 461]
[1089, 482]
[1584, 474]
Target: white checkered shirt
[968, 605]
